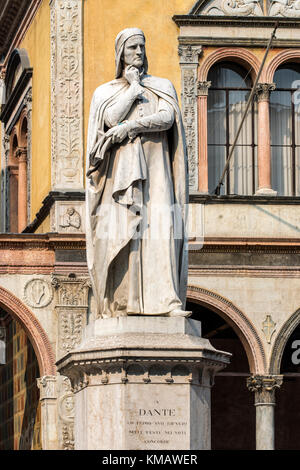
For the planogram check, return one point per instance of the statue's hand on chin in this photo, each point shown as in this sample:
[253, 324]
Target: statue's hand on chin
[132, 75]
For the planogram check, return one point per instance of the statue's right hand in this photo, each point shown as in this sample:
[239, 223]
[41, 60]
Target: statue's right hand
[132, 74]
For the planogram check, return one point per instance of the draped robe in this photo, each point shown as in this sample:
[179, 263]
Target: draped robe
[136, 201]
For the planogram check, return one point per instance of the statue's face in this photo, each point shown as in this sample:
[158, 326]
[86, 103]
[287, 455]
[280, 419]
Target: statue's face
[134, 52]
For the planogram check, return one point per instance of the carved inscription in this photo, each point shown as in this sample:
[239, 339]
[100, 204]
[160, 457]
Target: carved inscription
[158, 427]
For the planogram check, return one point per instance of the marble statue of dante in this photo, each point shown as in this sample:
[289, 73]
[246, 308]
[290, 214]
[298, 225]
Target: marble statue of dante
[136, 195]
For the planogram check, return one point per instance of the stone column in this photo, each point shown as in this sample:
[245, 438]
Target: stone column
[264, 387]
[142, 383]
[189, 58]
[48, 397]
[21, 155]
[264, 149]
[67, 159]
[202, 93]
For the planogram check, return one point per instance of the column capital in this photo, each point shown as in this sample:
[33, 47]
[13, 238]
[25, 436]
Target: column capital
[21, 154]
[263, 91]
[264, 387]
[202, 88]
[47, 387]
[189, 54]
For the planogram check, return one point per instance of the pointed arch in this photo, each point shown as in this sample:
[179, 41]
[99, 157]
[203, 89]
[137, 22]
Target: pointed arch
[239, 323]
[39, 339]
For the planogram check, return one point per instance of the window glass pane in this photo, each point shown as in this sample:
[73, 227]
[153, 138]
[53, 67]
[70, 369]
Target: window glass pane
[240, 171]
[281, 118]
[286, 75]
[225, 75]
[216, 117]
[297, 123]
[281, 170]
[237, 106]
[216, 163]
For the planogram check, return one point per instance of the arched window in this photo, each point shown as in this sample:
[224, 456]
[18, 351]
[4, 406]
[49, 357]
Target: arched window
[227, 98]
[285, 131]
[15, 115]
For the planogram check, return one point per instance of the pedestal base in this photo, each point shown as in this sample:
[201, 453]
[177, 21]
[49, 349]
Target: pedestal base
[266, 192]
[143, 383]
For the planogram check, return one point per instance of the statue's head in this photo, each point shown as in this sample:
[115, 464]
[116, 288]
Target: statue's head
[130, 50]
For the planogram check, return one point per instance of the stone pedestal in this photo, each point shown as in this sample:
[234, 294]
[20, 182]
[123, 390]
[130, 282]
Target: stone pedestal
[142, 383]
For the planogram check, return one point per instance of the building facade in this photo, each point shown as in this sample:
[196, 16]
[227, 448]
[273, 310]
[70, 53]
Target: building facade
[244, 256]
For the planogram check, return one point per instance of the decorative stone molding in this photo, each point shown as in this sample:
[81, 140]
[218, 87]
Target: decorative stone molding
[188, 59]
[71, 304]
[144, 371]
[66, 414]
[263, 91]
[66, 94]
[268, 328]
[31, 325]
[264, 387]
[240, 323]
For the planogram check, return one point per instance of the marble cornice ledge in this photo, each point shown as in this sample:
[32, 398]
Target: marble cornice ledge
[145, 360]
[196, 197]
[250, 21]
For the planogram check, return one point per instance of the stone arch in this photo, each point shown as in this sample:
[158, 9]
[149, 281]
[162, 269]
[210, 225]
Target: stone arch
[237, 54]
[17, 63]
[23, 127]
[40, 342]
[239, 323]
[288, 55]
[281, 340]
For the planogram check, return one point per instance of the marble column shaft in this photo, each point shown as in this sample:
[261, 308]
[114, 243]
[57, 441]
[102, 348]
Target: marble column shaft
[264, 140]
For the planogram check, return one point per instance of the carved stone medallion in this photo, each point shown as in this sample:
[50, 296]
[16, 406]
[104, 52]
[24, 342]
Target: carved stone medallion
[38, 293]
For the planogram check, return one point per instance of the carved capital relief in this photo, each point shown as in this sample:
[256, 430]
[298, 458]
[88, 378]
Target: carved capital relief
[68, 217]
[71, 304]
[202, 88]
[263, 91]
[188, 59]
[47, 387]
[66, 94]
[264, 387]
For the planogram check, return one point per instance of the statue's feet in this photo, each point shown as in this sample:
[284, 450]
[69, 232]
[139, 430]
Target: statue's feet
[179, 313]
